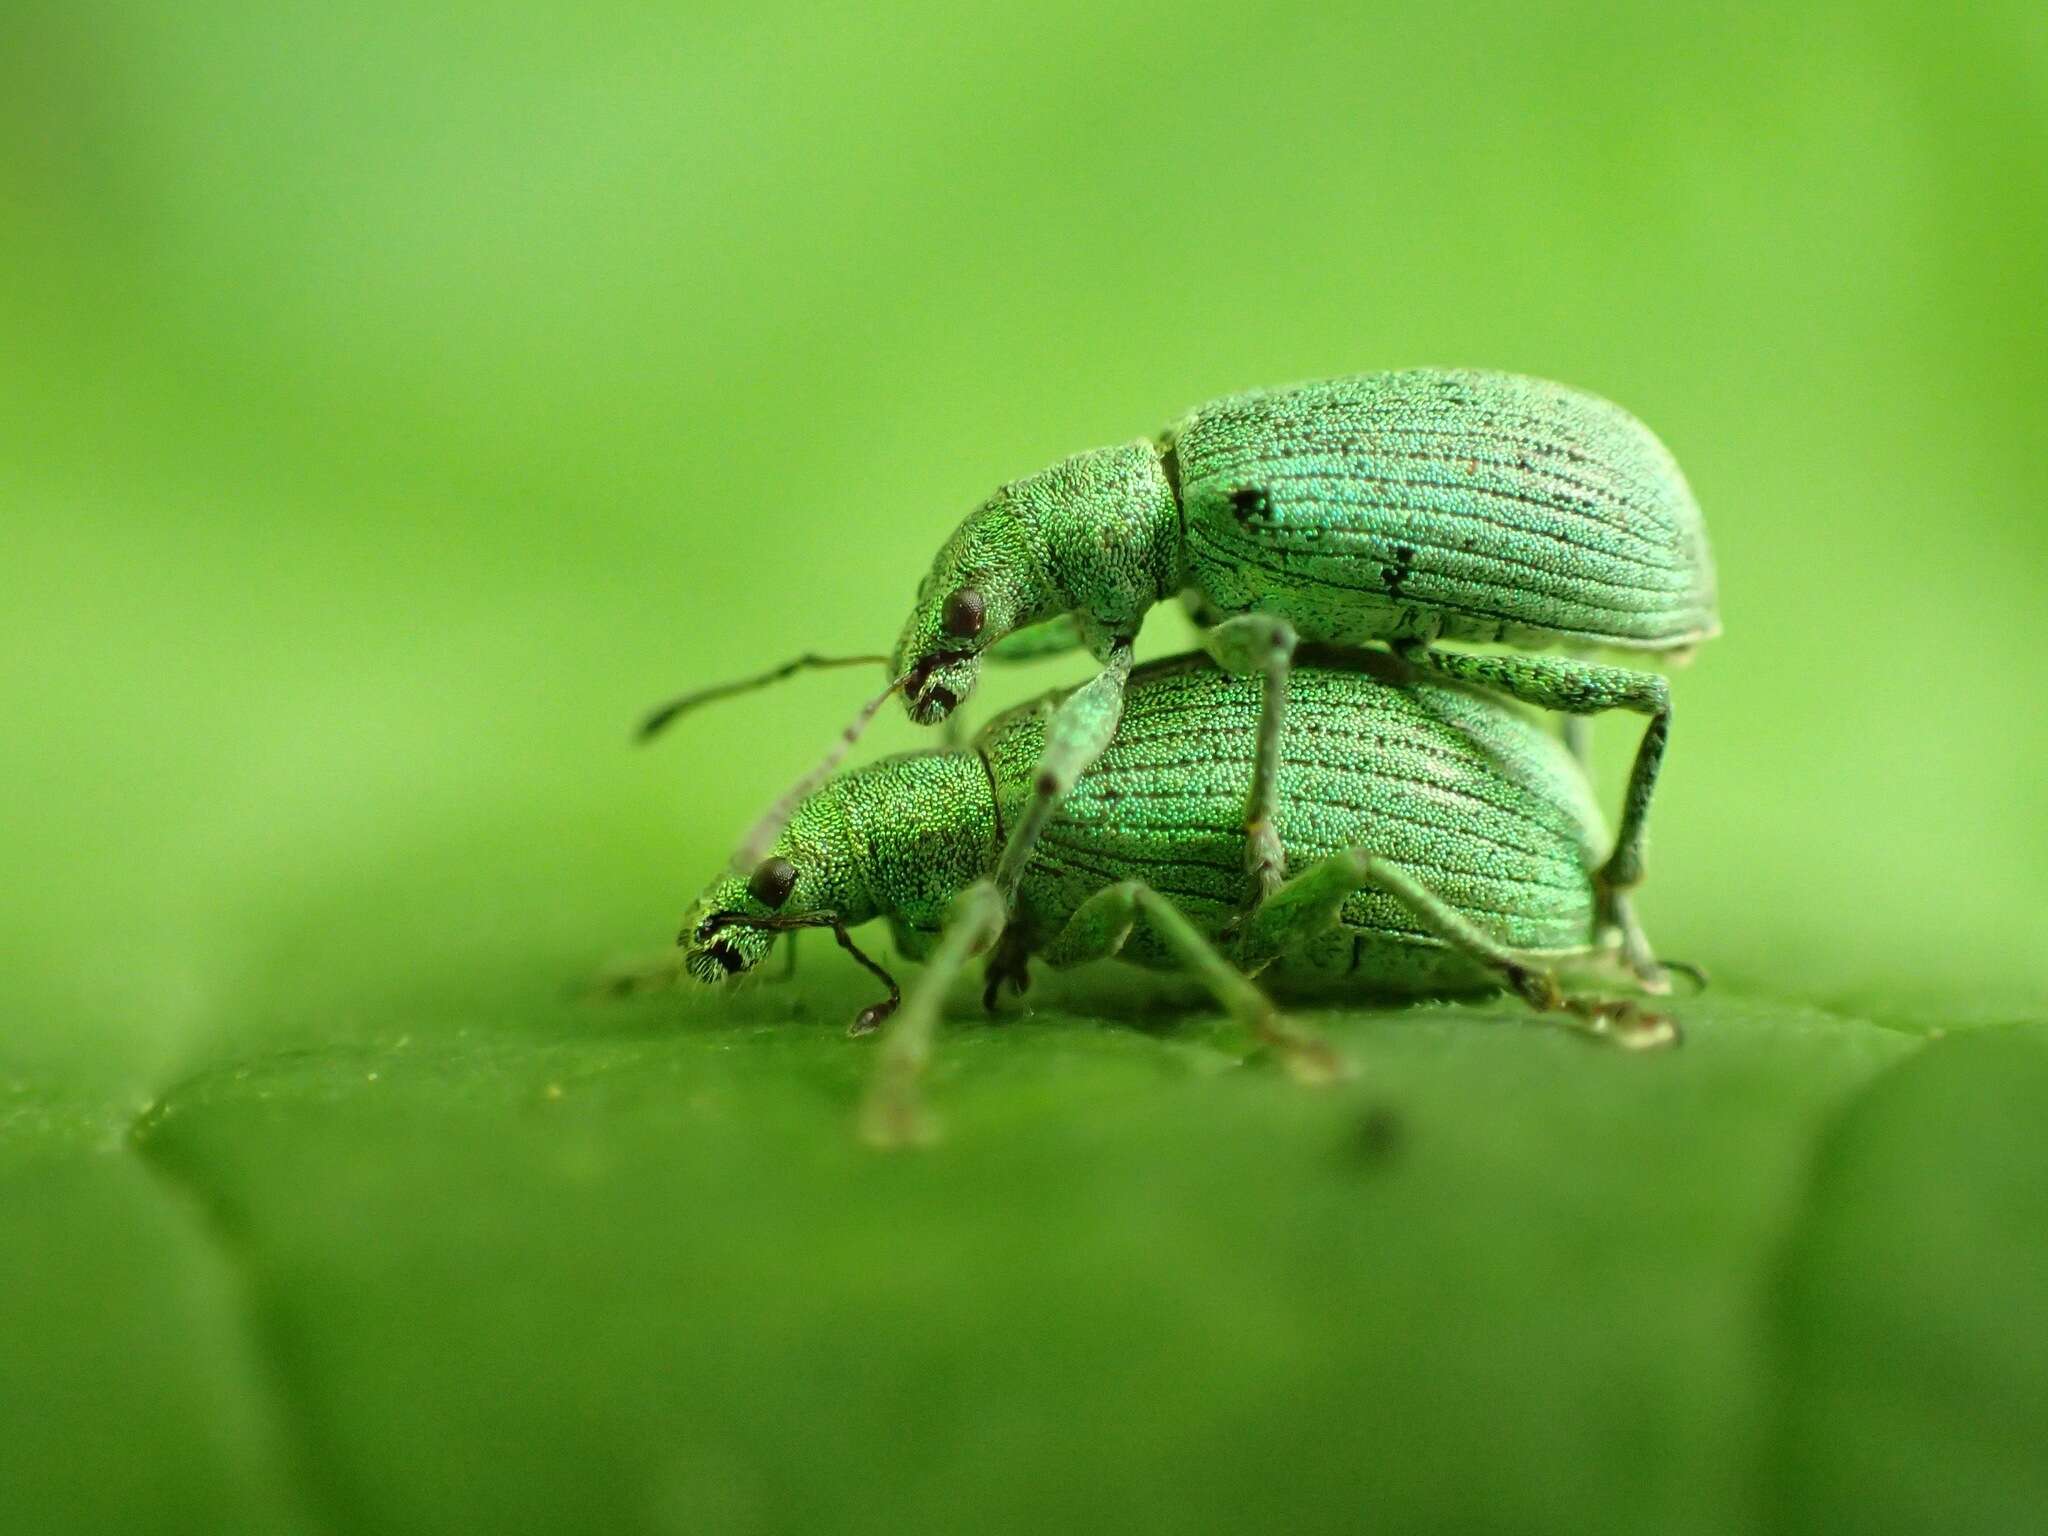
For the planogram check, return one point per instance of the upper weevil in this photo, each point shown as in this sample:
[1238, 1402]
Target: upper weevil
[1410, 508]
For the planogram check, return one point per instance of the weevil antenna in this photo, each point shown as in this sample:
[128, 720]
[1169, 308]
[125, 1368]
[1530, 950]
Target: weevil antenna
[659, 719]
[756, 841]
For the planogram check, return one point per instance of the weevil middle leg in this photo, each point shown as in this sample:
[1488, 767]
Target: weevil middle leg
[1263, 644]
[1101, 926]
[1579, 687]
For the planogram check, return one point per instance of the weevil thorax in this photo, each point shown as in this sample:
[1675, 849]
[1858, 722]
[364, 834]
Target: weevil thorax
[897, 838]
[1097, 535]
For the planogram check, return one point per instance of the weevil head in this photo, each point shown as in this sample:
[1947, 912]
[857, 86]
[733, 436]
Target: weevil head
[898, 838]
[814, 875]
[1097, 535]
[987, 581]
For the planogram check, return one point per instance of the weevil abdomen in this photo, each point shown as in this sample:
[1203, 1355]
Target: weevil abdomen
[1432, 503]
[1472, 798]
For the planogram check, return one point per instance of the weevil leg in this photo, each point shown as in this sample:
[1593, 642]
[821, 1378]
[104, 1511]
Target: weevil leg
[1579, 687]
[1101, 926]
[1079, 732]
[1310, 903]
[1260, 643]
[893, 1113]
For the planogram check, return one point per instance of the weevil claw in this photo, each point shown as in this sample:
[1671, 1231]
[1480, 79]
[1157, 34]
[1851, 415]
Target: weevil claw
[871, 1018]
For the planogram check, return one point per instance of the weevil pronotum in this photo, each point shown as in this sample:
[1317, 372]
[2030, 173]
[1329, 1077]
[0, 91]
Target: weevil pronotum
[1410, 508]
[1443, 844]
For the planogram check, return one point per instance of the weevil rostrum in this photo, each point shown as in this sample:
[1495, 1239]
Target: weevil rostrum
[1442, 844]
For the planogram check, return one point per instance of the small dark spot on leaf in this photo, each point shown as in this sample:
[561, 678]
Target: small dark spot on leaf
[1377, 1136]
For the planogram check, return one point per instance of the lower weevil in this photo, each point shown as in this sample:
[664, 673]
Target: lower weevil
[1443, 844]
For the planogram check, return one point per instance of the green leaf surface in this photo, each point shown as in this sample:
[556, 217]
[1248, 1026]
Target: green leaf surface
[615, 1270]
[395, 400]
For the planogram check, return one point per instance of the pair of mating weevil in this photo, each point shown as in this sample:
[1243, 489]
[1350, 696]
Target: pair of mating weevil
[1300, 803]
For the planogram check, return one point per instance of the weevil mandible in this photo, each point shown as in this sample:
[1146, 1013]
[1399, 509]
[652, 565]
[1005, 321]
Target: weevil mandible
[1443, 843]
[1409, 508]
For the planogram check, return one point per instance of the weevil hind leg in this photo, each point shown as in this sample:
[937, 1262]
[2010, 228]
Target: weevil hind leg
[1261, 644]
[1312, 901]
[1101, 926]
[1578, 688]
[893, 1112]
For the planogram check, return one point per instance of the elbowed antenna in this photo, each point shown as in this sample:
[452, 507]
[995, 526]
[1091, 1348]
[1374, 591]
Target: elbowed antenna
[659, 719]
[763, 833]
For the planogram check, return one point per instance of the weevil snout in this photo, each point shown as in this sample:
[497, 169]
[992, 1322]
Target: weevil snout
[716, 948]
[938, 682]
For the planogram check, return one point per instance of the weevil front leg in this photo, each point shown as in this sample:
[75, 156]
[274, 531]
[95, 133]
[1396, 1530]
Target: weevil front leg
[1310, 904]
[1579, 687]
[1079, 732]
[893, 1113]
[1260, 643]
[1101, 926]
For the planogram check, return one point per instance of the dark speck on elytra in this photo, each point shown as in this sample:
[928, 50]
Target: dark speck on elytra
[1250, 501]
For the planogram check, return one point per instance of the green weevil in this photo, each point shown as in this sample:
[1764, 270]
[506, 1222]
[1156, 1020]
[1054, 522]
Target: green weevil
[1409, 508]
[1443, 843]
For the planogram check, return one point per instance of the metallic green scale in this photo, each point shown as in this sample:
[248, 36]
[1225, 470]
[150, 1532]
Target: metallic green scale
[1455, 505]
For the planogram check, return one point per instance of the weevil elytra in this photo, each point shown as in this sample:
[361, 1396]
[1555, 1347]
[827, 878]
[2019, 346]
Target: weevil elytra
[1409, 508]
[1443, 843]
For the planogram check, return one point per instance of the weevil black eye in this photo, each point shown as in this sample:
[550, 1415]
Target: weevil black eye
[963, 614]
[772, 882]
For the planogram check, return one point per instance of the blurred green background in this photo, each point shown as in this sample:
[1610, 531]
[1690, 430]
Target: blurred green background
[396, 399]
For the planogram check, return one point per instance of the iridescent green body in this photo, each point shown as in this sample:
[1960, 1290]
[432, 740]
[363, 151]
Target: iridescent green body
[1408, 508]
[1468, 796]
[1427, 504]
[1418, 505]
